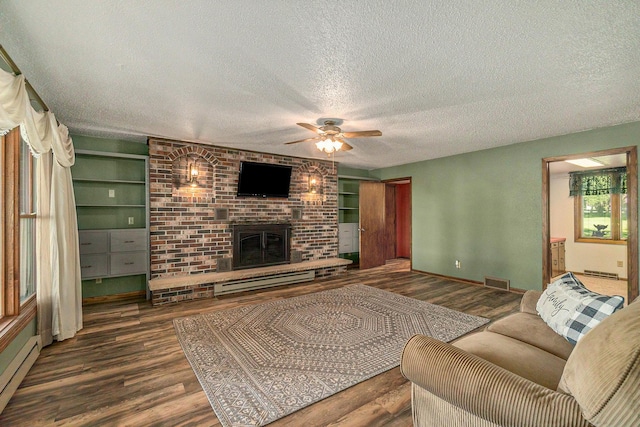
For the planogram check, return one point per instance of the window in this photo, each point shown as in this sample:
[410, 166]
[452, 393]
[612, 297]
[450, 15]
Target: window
[600, 205]
[17, 294]
[27, 223]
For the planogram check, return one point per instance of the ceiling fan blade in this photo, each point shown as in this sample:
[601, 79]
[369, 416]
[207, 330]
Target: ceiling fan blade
[303, 140]
[311, 127]
[361, 134]
[345, 146]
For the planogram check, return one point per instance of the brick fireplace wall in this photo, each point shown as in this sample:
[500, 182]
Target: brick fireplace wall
[191, 226]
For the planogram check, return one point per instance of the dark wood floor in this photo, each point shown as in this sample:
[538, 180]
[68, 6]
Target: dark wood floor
[126, 366]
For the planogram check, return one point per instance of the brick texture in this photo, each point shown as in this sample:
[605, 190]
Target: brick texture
[185, 236]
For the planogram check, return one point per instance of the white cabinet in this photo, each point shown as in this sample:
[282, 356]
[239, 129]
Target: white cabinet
[348, 237]
[111, 253]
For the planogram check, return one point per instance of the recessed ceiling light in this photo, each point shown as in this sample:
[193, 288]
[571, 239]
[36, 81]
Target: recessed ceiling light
[585, 163]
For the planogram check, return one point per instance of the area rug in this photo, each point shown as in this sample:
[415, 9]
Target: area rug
[259, 363]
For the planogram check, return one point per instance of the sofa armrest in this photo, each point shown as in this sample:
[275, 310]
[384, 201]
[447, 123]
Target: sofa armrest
[529, 301]
[484, 389]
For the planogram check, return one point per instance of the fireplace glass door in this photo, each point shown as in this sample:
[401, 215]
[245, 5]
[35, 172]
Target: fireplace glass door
[260, 245]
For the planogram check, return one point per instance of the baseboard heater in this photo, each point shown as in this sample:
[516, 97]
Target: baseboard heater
[17, 369]
[496, 283]
[263, 282]
[602, 274]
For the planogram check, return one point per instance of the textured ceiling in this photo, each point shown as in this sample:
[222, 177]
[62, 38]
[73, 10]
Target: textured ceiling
[436, 77]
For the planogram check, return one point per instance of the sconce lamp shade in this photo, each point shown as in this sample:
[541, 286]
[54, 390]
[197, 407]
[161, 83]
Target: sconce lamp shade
[192, 174]
[315, 184]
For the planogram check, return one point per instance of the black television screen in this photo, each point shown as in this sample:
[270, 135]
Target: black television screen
[264, 180]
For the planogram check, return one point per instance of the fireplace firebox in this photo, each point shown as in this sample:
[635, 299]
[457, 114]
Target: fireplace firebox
[259, 245]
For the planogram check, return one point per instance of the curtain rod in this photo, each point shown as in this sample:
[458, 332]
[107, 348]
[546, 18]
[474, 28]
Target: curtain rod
[7, 59]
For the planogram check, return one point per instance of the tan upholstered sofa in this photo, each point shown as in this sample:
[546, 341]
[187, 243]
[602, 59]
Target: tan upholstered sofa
[519, 372]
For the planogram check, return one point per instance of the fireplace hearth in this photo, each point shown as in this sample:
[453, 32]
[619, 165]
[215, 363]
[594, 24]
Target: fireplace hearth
[260, 245]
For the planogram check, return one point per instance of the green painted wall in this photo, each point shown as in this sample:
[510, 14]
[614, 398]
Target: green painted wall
[114, 286]
[127, 194]
[353, 172]
[485, 208]
[16, 345]
[110, 145]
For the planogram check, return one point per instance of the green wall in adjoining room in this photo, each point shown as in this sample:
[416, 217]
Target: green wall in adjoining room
[9, 353]
[485, 208]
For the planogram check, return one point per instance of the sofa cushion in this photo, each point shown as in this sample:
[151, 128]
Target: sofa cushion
[515, 356]
[529, 301]
[572, 310]
[603, 371]
[530, 328]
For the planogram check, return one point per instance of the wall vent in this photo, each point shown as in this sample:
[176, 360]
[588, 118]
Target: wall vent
[496, 283]
[601, 274]
[296, 256]
[221, 214]
[296, 213]
[223, 264]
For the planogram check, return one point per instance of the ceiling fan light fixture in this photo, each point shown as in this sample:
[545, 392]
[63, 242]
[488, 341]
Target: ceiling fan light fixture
[328, 145]
[330, 137]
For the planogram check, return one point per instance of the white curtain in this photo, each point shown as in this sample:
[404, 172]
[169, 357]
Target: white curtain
[13, 101]
[58, 283]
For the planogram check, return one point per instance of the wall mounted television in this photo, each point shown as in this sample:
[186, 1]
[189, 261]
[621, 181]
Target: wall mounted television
[264, 180]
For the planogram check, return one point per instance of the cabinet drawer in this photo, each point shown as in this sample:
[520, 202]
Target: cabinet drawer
[345, 234]
[129, 263]
[345, 246]
[128, 240]
[93, 265]
[93, 242]
[347, 230]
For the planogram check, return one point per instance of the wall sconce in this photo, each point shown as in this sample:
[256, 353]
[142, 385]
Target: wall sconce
[192, 173]
[315, 184]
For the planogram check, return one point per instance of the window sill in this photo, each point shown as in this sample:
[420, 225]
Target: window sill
[601, 241]
[10, 327]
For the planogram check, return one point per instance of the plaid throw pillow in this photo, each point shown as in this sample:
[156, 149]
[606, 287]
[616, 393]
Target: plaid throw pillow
[572, 310]
[593, 310]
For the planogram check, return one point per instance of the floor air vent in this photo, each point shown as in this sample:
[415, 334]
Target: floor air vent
[496, 283]
[602, 274]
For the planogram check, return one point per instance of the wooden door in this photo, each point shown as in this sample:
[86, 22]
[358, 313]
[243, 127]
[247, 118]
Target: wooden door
[372, 224]
[403, 220]
[390, 222]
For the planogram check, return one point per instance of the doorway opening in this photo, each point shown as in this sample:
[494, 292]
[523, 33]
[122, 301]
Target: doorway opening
[562, 228]
[385, 222]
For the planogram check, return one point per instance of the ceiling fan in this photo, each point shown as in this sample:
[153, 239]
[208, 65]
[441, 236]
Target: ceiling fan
[331, 138]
